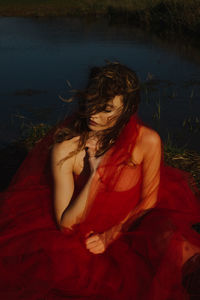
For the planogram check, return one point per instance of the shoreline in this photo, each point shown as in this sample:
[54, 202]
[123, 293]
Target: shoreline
[178, 17]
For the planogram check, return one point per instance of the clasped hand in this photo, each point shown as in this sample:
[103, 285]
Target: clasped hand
[96, 243]
[92, 148]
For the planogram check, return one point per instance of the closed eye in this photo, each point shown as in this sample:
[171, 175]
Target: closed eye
[107, 110]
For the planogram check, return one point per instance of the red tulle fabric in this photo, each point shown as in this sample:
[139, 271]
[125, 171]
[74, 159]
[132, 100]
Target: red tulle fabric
[151, 244]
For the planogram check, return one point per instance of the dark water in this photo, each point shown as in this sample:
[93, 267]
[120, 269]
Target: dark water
[37, 56]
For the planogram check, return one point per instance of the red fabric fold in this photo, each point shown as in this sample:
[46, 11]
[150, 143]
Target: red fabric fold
[144, 261]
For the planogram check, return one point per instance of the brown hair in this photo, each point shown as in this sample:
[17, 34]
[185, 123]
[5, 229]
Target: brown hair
[104, 84]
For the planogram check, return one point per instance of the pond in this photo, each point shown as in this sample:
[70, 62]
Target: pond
[40, 55]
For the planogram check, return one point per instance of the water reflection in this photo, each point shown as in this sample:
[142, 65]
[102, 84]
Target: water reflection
[40, 54]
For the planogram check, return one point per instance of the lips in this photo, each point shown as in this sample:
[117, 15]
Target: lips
[92, 123]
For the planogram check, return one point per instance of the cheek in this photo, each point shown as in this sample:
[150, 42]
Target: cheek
[108, 121]
[111, 120]
[105, 120]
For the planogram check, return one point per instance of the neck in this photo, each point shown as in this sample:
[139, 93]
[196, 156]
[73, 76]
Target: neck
[95, 134]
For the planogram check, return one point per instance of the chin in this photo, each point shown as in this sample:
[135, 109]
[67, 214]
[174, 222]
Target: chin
[95, 128]
[98, 127]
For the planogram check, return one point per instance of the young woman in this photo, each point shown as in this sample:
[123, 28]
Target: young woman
[98, 215]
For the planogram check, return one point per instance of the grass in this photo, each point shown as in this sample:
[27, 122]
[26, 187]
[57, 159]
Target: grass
[31, 133]
[167, 15]
[14, 154]
[184, 159]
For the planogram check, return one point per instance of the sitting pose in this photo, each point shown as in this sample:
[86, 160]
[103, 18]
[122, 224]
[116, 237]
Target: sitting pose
[93, 212]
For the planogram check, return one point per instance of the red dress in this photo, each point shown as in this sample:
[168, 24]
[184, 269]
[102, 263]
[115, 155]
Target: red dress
[40, 261]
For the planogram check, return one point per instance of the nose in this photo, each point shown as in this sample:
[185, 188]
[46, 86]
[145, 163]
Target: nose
[96, 117]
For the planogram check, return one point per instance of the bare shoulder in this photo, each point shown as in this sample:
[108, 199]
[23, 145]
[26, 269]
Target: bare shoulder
[149, 137]
[149, 143]
[63, 149]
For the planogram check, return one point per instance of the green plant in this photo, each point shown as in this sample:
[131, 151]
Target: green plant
[31, 133]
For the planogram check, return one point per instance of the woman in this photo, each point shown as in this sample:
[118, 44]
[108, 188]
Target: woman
[123, 220]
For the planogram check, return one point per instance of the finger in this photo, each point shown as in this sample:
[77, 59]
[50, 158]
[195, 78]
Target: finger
[97, 250]
[92, 246]
[96, 237]
[92, 239]
[91, 152]
[91, 144]
[95, 245]
[89, 148]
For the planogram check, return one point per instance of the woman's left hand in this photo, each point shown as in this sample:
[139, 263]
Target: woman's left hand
[96, 243]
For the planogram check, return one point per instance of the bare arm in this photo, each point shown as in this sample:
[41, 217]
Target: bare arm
[68, 214]
[151, 178]
[73, 213]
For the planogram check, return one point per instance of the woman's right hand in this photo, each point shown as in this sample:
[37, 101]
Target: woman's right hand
[91, 150]
[93, 161]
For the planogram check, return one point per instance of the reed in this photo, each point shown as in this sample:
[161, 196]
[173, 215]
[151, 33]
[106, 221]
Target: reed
[172, 15]
[156, 115]
[13, 155]
[186, 160]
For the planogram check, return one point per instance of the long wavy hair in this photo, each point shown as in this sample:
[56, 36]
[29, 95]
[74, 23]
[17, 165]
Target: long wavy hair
[104, 83]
